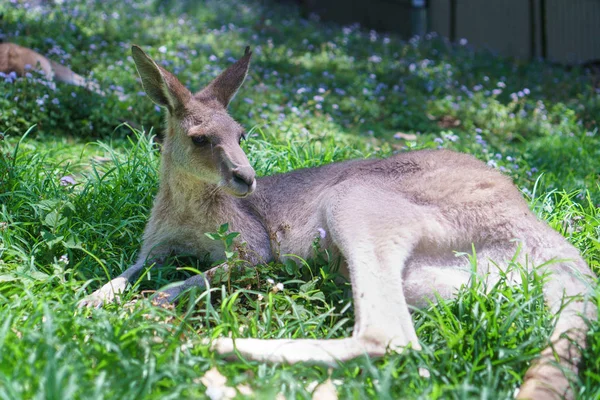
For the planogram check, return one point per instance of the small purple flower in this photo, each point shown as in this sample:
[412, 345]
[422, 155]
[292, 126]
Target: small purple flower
[322, 233]
[451, 137]
[318, 98]
[67, 180]
[10, 77]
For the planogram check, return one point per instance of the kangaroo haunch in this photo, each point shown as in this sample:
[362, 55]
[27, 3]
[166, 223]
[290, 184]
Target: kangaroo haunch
[397, 224]
[18, 59]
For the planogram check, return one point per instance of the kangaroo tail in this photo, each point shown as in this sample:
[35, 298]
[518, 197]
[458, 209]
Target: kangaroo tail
[567, 291]
[64, 74]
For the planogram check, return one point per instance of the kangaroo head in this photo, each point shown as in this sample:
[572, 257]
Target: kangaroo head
[202, 140]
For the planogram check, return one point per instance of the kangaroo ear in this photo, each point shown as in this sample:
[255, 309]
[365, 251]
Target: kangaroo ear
[160, 85]
[224, 87]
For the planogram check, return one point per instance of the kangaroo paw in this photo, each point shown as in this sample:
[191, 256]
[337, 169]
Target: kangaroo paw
[106, 294]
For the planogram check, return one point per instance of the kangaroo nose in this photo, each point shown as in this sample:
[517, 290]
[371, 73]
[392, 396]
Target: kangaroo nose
[245, 175]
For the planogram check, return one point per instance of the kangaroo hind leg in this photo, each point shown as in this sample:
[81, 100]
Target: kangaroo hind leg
[382, 317]
[567, 292]
[382, 322]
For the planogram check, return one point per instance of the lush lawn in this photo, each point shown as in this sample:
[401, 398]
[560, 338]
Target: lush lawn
[316, 93]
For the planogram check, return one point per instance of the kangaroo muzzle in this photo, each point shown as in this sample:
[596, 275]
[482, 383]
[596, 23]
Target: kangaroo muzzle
[239, 177]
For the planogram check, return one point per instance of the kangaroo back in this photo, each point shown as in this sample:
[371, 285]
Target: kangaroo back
[14, 58]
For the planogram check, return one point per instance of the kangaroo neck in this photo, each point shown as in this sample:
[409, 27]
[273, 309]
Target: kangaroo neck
[204, 207]
[189, 195]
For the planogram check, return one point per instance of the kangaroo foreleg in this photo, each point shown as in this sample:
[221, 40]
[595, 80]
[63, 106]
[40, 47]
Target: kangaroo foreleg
[109, 292]
[200, 281]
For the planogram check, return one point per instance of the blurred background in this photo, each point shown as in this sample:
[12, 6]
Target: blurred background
[564, 31]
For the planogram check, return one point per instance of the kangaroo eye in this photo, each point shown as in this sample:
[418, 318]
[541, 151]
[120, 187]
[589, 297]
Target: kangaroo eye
[200, 140]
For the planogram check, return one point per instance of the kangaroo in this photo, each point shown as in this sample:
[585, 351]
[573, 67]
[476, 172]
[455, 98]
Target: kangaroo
[397, 224]
[15, 58]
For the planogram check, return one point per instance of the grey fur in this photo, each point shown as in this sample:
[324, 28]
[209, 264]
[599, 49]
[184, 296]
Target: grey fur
[397, 223]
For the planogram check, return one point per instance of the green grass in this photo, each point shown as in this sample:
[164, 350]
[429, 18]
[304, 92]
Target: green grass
[317, 93]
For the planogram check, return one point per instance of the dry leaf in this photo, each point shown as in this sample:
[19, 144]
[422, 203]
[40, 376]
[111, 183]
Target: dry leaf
[216, 385]
[448, 121]
[405, 136]
[311, 386]
[100, 160]
[245, 390]
[325, 391]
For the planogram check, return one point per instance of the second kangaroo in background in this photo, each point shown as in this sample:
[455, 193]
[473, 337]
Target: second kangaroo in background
[18, 59]
[397, 224]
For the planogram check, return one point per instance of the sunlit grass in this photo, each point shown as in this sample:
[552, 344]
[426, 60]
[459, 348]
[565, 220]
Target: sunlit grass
[75, 194]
